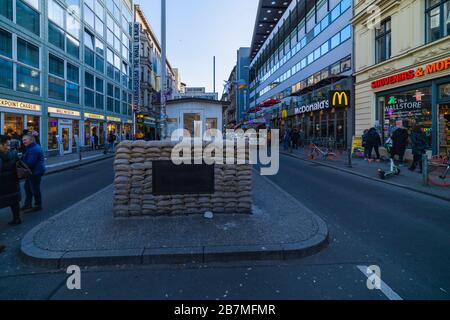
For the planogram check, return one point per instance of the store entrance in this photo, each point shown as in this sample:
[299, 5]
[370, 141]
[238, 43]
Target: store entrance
[444, 129]
[65, 132]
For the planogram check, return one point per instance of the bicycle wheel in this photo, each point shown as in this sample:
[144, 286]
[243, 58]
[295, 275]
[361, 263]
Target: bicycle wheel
[439, 176]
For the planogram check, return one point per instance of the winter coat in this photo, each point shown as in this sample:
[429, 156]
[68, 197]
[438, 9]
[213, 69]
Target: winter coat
[373, 138]
[400, 139]
[34, 159]
[419, 143]
[9, 186]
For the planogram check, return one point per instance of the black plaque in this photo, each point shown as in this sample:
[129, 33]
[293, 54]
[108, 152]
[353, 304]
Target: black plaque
[170, 179]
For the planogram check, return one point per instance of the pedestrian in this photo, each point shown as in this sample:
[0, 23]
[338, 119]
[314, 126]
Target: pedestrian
[365, 137]
[302, 138]
[36, 137]
[295, 139]
[9, 187]
[111, 140]
[399, 144]
[96, 147]
[34, 159]
[373, 142]
[419, 147]
[286, 140]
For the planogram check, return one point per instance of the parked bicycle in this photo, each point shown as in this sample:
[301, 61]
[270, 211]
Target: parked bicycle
[438, 171]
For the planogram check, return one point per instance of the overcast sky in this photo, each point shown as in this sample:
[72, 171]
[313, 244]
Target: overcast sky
[199, 29]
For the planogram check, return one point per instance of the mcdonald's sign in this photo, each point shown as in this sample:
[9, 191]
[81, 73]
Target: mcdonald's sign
[340, 99]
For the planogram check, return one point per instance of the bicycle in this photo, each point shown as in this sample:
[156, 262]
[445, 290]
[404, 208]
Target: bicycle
[436, 175]
[325, 153]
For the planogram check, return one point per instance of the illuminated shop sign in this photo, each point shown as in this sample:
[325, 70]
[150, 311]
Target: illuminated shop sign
[93, 116]
[322, 105]
[411, 74]
[340, 99]
[114, 119]
[19, 105]
[64, 112]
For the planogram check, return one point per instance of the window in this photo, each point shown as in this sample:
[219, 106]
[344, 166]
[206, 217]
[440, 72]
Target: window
[55, 35]
[5, 44]
[325, 48]
[27, 53]
[89, 16]
[336, 13]
[89, 98]
[56, 66]
[89, 40]
[6, 70]
[73, 47]
[346, 64]
[346, 33]
[28, 80]
[73, 73]
[383, 42]
[56, 13]
[56, 88]
[437, 16]
[89, 80]
[6, 9]
[73, 6]
[335, 69]
[27, 17]
[73, 26]
[335, 41]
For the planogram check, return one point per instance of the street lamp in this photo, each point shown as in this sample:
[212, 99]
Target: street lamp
[163, 74]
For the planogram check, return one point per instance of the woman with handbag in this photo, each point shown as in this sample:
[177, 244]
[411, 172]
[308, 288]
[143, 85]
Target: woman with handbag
[9, 188]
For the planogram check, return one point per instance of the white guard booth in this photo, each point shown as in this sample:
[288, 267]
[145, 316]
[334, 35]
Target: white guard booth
[196, 115]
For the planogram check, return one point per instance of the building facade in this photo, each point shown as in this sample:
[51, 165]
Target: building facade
[243, 81]
[147, 66]
[402, 68]
[229, 97]
[196, 92]
[300, 53]
[66, 70]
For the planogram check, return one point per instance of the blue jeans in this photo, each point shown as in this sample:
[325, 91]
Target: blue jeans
[33, 189]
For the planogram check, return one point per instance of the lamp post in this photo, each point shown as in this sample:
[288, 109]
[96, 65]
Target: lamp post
[163, 72]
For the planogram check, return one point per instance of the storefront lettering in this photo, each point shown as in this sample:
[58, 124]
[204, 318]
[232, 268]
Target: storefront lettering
[64, 112]
[403, 106]
[20, 105]
[411, 74]
[322, 105]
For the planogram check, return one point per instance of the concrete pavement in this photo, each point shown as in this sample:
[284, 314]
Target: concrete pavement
[280, 228]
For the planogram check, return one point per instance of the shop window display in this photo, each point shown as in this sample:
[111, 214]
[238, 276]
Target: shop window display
[407, 109]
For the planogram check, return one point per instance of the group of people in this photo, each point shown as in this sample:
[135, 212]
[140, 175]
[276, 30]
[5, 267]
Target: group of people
[293, 139]
[10, 194]
[396, 144]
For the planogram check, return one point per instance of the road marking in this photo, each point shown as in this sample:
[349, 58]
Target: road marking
[387, 291]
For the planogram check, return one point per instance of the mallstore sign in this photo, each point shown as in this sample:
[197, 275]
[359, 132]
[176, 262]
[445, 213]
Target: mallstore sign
[322, 105]
[411, 74]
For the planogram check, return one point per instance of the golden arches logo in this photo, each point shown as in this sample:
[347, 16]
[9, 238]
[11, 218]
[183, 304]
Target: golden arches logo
[340, 98]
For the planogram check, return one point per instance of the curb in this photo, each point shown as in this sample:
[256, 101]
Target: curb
[32, 254]
[369, 177]
[77, 165]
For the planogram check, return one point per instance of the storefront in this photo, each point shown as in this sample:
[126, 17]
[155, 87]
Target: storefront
[311, 111]
[94, 129]
[63, 130]
[127, 130]
[16, 116]
[425, 104]
[114, 126]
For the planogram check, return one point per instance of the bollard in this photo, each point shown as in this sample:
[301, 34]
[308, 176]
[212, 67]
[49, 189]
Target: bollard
[349, 158]
[425, 170]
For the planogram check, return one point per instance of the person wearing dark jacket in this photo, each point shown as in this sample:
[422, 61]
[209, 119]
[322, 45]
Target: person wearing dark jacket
[34, 159]
[373, 142]
[399, 143]
[364, 144]
[9, 187]
[419, 147]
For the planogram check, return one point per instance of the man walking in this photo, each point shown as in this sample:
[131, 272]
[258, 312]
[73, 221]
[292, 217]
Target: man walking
[399, 144]
[34, 159]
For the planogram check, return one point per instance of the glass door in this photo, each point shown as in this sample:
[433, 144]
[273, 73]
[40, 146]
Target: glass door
[444, 129]
[65, 132]
[192, 123]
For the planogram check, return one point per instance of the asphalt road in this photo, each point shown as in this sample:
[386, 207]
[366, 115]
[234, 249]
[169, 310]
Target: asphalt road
[402, 232]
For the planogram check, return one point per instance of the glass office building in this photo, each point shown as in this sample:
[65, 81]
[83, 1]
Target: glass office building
[300, 54]
[66, 70]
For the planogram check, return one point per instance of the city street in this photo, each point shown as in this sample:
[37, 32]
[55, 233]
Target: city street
[370, 223]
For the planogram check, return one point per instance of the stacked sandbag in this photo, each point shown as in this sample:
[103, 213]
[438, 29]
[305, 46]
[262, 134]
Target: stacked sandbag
[133, 193]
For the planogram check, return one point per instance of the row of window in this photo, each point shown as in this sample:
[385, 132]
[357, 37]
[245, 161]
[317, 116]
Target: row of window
[295, 42]
[339, 38]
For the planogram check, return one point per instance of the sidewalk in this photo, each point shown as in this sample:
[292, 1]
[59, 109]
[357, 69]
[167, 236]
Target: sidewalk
[407, 179]
[87, 234]
[70, 161]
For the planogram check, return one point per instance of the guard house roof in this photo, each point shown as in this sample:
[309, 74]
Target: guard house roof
[269, 14]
